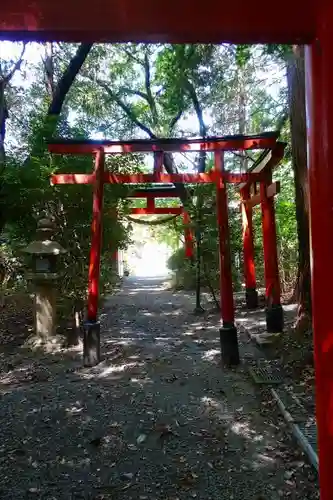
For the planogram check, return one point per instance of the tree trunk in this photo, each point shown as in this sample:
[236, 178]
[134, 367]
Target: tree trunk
[3, 119]
[242, 115]
[200, 199]
[296, 94]
[49, 69]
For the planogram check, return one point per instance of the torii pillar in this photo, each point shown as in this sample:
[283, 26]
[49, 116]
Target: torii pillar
[251, 294]
[274, 310]
[319, 85]
[91, 339]
[228, 331]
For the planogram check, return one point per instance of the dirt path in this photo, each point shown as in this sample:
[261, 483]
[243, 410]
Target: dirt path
[157, 419]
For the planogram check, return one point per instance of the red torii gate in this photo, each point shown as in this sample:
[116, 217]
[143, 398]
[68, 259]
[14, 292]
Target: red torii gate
[150, 195]
[265, 197]
[219, 176]
[151, 209]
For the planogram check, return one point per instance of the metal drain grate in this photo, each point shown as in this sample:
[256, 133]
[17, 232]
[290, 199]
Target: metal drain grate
[310, 432]
[266, 375]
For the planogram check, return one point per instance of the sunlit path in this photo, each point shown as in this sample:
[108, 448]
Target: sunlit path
[147, 257]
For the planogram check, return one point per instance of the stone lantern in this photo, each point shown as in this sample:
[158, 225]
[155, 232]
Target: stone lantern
[44, 253]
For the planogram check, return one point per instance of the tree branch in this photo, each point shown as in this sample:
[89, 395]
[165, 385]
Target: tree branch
[197, 107]
[283, 118]
[151, 100]
[68, 78]
[246, 155]
[138, 93]
[125, 107]
[15, 68]
[135, 59]
[202, 126]
[175, 120]
[168, 159]
[49, 68]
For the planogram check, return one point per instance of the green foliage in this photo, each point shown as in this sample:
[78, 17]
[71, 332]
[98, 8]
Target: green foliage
[278, 50]
[28, 195]
[243, 55]
[183, 270]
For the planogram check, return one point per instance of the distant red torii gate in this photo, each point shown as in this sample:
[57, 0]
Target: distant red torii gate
[151, 209]
[251, 197]
[266, 141]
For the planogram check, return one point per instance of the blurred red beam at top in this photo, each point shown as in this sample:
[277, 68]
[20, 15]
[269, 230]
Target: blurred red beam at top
[72, 179]
[109, 178]
[227, 143]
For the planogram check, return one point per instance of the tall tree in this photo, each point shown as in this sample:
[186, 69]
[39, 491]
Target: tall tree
[56, 98]
[6, 75]
[57, 92]
[297, 113]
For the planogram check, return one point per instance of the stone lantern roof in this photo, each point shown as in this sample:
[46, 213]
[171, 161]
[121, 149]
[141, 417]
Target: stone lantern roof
[43, 244]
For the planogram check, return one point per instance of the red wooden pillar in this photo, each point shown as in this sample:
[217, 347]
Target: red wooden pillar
[91, 343]
[228, 332]
[319, 74]
[274, 311]
[150, 203]
[188, 236]
[251, 294]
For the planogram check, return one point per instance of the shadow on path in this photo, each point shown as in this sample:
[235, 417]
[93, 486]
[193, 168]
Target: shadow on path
[157, 419]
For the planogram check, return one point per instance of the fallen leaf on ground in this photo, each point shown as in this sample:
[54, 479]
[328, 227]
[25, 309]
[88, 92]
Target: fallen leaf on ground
[127, 475]
[96, 442]
[141, 438]
[164, 430]
[188, 480]
[128, 485]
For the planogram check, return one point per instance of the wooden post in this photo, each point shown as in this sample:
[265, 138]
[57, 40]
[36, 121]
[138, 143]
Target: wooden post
[91, 343]
[251, 294]
[228, 332]
[158, 163]
[319, 97]
[274, 310]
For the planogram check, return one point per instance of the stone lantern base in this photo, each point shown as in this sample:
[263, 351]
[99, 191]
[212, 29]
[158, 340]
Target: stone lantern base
[45, 309]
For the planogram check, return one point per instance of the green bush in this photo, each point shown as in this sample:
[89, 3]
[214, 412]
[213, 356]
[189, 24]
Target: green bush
[182, 270]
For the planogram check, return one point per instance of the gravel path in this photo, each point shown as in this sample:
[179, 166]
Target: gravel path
[157, 419]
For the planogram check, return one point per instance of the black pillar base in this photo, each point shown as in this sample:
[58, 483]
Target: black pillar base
[198, 311]
[251, 297]
[91, 343]
[229, 345]
[274, 318]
